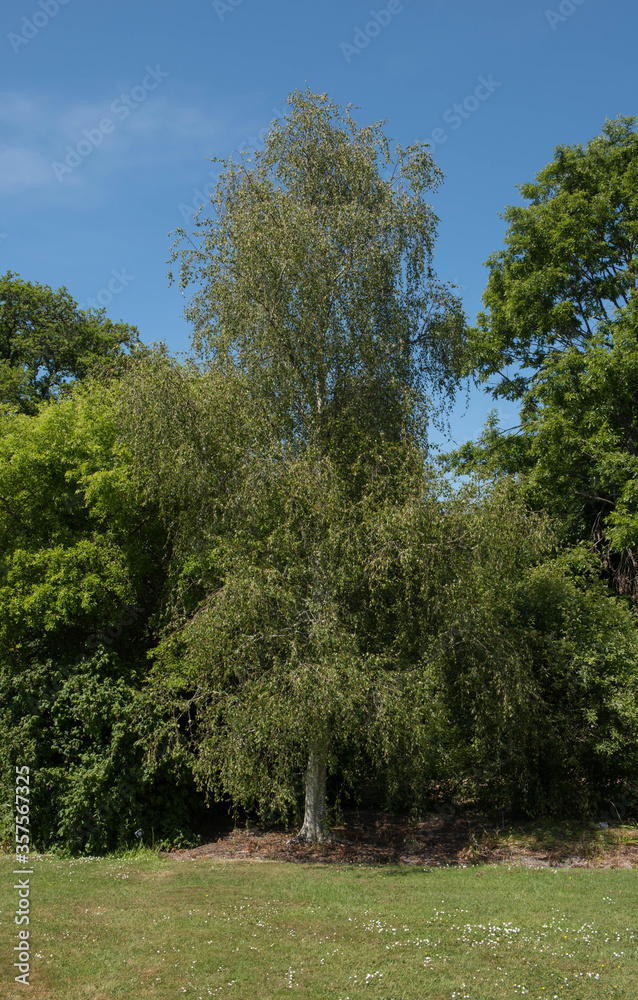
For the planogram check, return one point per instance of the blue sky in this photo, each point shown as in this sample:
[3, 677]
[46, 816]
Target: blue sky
[148, 91]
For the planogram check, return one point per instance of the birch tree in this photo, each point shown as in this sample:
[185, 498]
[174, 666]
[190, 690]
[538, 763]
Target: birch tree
[314, 271]
[317, 300]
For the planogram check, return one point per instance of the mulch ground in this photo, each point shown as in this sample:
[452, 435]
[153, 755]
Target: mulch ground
[376, 838]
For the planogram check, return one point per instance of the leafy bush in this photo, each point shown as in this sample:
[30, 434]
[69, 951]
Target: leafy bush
[100, 769]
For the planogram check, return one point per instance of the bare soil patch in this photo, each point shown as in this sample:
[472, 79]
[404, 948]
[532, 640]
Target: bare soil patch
[377, 838]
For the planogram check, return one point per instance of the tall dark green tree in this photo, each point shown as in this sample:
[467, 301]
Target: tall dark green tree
[560, 336]
[569, 268]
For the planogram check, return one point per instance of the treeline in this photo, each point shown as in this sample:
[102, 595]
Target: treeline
[243, 580]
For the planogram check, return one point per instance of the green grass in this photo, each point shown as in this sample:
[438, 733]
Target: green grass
[151, 927]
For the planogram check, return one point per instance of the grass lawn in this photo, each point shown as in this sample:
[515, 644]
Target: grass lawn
[151, 927]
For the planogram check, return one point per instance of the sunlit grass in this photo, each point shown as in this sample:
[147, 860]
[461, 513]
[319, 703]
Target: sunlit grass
[146, 926]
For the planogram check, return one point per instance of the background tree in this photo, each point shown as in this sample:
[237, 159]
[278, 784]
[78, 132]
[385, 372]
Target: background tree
[47, 342]
[534, 664]
[319, 307]
[570, 266]
[560, 336]
[83, 566]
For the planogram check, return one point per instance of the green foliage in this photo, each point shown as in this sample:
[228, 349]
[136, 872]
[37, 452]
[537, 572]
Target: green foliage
[520, 666]
[68, 523]
[582, 730]
[85, 730]
[537, 667]
[47, 343]
[496, 453]
[569, 268]
[316, 279]
[81, 578]
[276, 652]
[575, 452]
[551, 709]
[563, 305]
[324, 329]
[340, 599]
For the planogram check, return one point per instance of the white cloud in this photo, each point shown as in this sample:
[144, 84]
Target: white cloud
[163, 135]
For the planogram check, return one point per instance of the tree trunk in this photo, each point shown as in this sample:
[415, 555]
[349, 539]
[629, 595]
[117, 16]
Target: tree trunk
[314, 830]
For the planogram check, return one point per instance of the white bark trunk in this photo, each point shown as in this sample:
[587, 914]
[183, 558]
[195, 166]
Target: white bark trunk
[314, 830]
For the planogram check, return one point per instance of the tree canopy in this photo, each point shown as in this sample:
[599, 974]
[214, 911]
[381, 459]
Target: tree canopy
[319, 309]
[47, 342]
[315, 277]
[560, 335]
[83, 569]
[569, 268]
